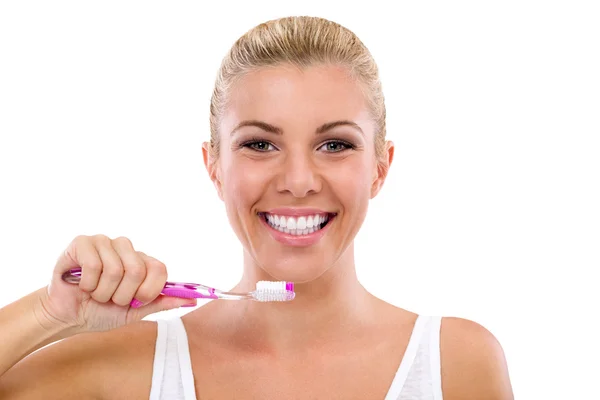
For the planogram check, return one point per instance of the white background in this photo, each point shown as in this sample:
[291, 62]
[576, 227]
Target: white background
[491, 209]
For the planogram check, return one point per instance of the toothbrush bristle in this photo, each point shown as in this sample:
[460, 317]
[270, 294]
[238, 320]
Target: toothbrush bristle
[274, 291]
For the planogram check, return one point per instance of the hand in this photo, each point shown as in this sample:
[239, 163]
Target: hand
[112, 274]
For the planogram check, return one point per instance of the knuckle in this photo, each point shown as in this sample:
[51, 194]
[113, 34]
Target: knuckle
[95, 266]
[80, 239]
[136, 270]
[79, 242]
[114, 273]
[103, 239]
[122, 240]
[157, 267]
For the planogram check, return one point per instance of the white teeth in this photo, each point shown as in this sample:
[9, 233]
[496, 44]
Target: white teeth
[304, 225]
[291, 223]
[301, 223]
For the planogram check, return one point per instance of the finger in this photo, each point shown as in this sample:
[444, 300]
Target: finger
[82, 253]
[154, 283]
[135, 271]
[112, 270]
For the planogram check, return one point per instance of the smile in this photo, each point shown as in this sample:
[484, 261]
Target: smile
[297, 226]
[297, 230]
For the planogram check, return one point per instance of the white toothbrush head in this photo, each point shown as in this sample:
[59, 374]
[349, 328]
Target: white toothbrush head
[273, 291]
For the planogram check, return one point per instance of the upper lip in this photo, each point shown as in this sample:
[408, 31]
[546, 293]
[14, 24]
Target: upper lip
[296, 212]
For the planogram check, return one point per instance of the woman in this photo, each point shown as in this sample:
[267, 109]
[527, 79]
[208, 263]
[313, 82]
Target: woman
[297, 135]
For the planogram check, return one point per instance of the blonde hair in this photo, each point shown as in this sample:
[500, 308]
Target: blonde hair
[302, 42]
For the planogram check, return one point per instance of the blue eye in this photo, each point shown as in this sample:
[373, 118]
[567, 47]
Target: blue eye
[335, 146]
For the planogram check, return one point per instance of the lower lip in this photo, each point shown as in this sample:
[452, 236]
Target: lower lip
[297, 240]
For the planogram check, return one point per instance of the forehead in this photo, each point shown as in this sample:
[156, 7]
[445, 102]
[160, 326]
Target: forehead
[288, 96]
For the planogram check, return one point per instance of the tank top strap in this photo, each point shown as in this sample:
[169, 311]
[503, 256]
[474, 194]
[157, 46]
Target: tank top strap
[409, 357]
[172, 375]
[185, 361]
[434, 356]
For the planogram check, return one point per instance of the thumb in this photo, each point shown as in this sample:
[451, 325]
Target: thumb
[164, 303]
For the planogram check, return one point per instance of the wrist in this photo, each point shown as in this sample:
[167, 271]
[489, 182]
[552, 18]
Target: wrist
[48, 322]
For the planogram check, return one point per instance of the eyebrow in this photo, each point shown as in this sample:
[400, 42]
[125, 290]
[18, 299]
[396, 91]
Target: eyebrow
[278, 131]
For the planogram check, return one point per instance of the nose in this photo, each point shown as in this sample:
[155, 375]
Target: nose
[299, 175]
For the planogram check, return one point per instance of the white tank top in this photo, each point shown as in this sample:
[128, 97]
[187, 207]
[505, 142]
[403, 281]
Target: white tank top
[418, 377]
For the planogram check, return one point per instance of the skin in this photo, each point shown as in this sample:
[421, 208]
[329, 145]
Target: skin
[332, 314]
[335, 340]
[299, 170]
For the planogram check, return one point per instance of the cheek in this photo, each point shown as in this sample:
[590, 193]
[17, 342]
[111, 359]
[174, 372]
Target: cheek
[245, 181]
[351, 181]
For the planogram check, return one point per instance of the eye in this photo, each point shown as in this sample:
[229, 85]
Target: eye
[335, 146]
[259, 145]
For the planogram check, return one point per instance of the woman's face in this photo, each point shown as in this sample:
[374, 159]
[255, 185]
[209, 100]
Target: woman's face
[297, 167]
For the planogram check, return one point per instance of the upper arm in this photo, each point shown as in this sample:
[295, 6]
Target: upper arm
[57, 371]
[79, 367]
[473, 362]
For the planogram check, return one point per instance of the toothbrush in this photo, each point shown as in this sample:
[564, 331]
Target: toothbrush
[265, 290]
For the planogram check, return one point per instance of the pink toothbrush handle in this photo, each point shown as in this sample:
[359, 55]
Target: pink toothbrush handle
[188, 291]
[173, 289]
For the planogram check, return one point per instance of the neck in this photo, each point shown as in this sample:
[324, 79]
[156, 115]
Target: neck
[323, 309]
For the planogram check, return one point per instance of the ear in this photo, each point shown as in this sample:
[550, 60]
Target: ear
[382, 168]
[212, 167]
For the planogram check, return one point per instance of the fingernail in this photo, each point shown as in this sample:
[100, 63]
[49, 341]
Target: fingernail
[189, 305]
[135, 303]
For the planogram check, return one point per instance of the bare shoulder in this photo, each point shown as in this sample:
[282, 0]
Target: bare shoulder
[473, 362]
[128, 361]
[114, 364]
